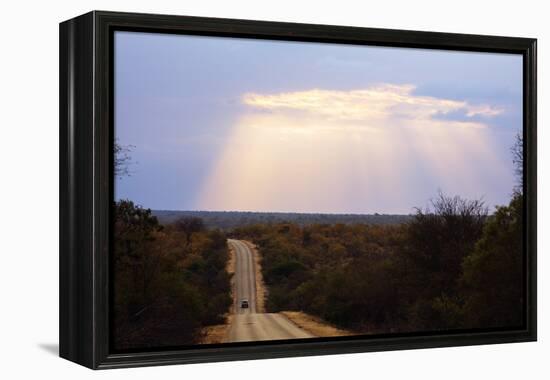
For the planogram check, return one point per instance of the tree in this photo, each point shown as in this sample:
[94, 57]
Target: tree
[188, 226]
[122, 159]
[442, 235]
[163, 297]
[493, 273]
[429, 265]
[517, 158]
[135, 229]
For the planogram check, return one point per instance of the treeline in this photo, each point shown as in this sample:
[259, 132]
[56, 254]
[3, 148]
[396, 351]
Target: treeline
[452, 266]
[169, 281]
[227, 220]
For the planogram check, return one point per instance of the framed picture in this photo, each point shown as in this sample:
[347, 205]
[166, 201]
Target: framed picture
[235, 189]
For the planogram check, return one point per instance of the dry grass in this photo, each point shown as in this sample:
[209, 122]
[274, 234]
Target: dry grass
[230, 268]
[217, 333]
[261, 291]
[315, 326]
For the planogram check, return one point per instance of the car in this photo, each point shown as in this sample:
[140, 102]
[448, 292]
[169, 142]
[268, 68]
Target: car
[244, 304]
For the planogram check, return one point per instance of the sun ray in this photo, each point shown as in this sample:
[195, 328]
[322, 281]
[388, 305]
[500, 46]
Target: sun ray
[326, 151]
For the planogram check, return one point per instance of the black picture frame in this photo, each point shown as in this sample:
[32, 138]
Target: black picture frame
[86, 183]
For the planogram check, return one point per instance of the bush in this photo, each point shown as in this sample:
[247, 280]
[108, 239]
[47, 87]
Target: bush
[451, 267]
[492, 280]
[169, 282]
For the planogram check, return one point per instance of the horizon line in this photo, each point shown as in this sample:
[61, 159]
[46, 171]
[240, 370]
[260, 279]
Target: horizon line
[283, 212]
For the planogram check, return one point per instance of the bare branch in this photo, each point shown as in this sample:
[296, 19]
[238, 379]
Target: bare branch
[123, 160]
[517, 159]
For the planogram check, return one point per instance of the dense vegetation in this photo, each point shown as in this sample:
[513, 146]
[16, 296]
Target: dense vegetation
[170, 281]
[452, 266]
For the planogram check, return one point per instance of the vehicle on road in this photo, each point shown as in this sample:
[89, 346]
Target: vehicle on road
[244, 304]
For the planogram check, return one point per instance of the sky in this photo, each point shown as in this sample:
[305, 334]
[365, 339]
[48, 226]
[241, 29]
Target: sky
[256, 125]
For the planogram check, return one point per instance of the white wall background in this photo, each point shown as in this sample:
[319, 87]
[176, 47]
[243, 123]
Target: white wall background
[29, 187]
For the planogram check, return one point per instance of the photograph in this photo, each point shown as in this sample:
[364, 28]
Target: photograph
[273, 191]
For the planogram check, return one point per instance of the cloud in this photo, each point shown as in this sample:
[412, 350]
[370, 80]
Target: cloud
[368, 106]
[483, 110]
[365, 150]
